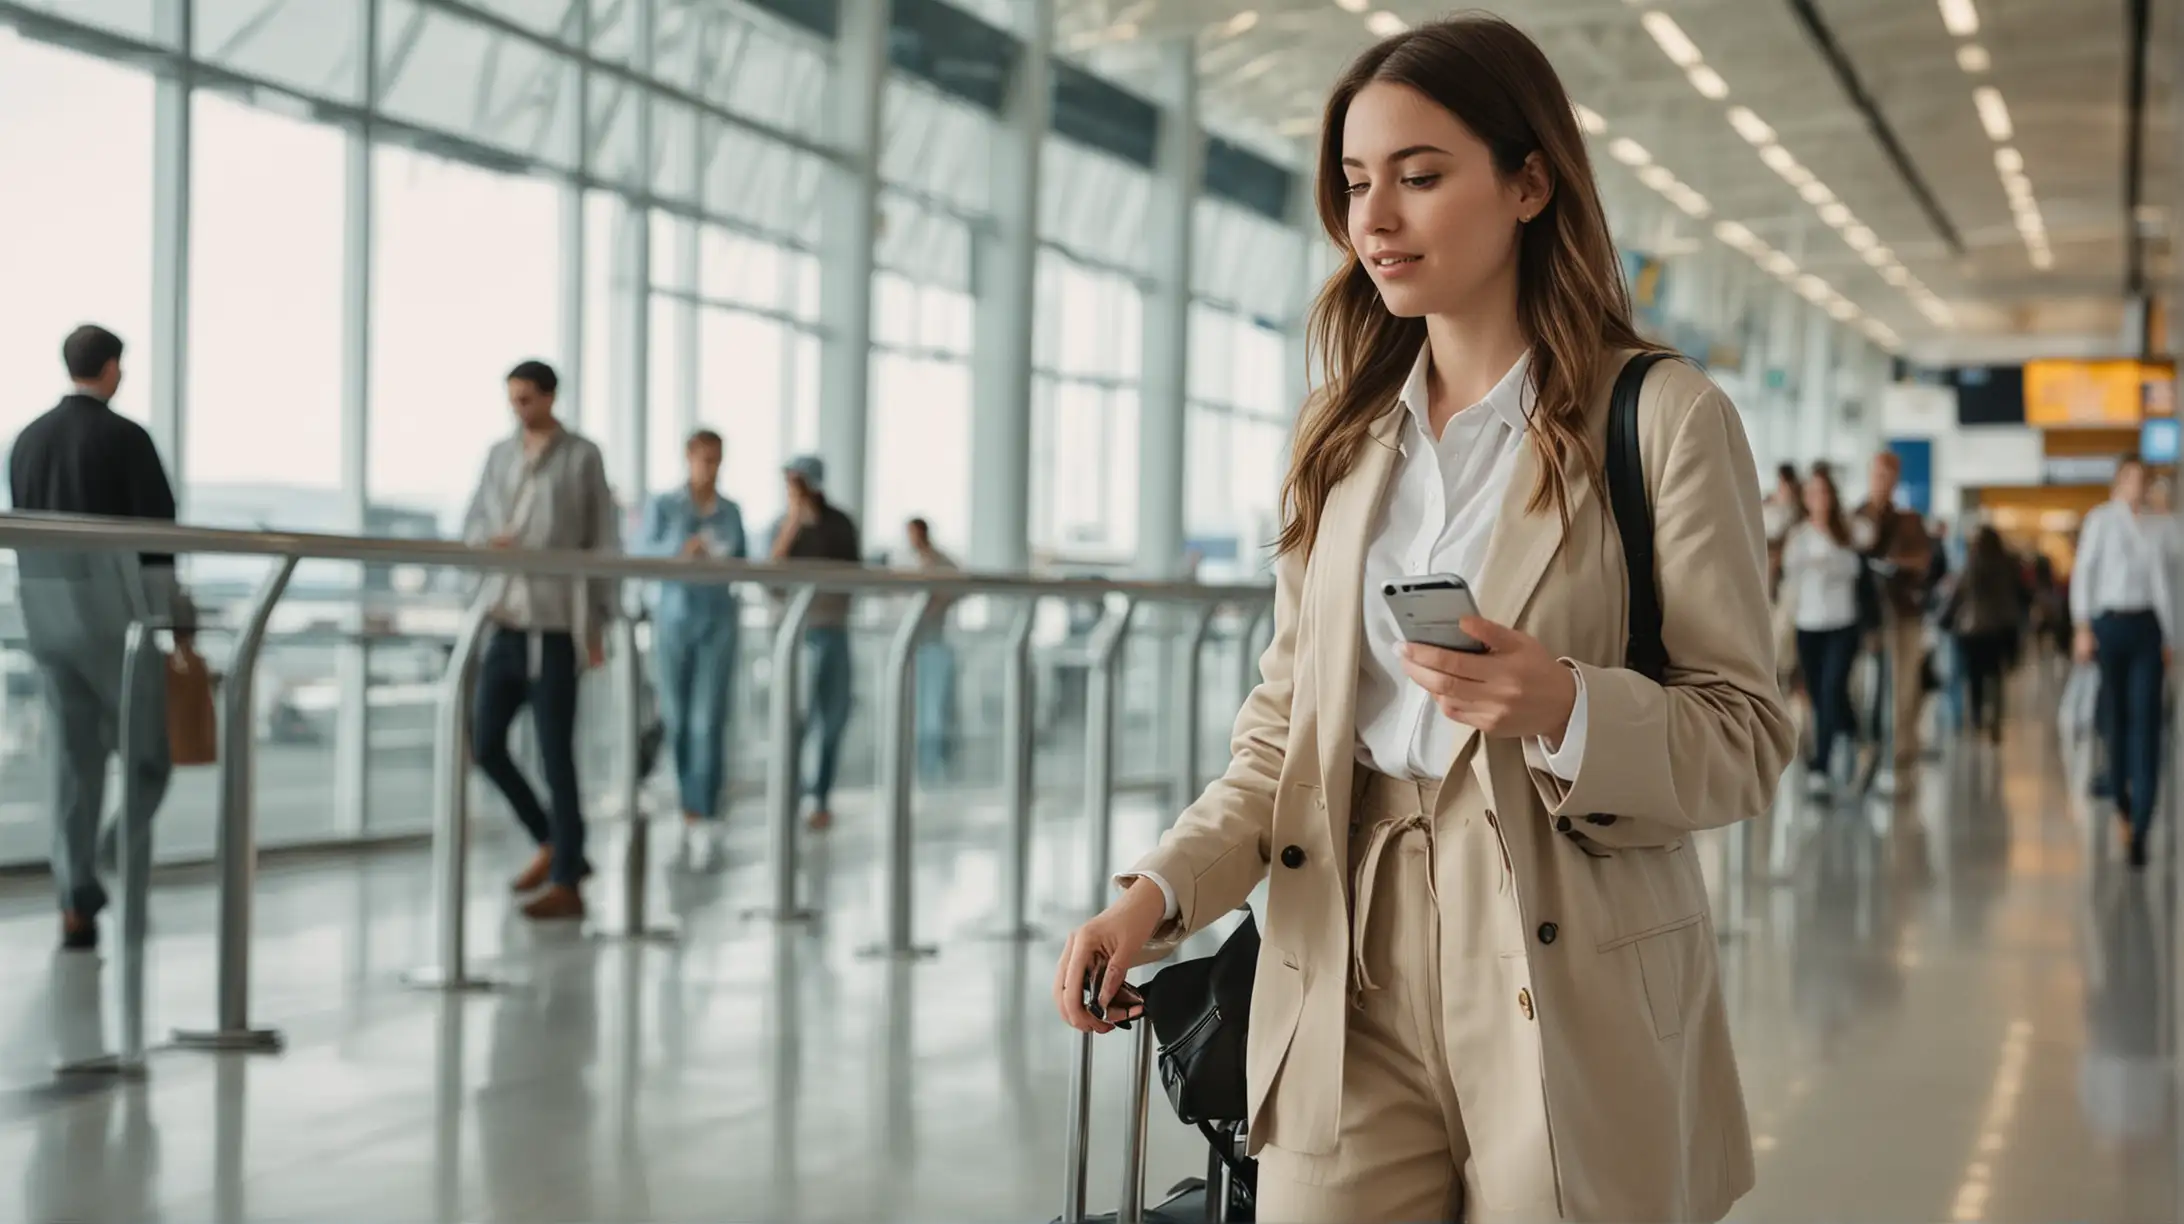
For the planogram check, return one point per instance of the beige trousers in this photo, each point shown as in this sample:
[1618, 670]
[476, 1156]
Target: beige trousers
[1430, 895]
[1904, 638]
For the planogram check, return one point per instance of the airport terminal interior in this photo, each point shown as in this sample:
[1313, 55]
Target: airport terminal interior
[1024, 288]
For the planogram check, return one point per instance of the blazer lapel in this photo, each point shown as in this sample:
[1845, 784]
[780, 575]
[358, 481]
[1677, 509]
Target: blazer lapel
[1345, 532]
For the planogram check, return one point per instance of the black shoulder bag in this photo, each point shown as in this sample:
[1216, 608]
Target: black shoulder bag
[1643, 651]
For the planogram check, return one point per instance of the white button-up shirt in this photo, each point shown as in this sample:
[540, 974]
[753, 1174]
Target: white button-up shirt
[1820, 579]
[2122, 566]
[1437, 518]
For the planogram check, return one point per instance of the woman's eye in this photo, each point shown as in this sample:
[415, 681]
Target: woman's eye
[1353, 188]
[1421, 180]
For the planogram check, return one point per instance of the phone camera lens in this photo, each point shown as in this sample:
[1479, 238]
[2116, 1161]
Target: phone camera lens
[1388, 589]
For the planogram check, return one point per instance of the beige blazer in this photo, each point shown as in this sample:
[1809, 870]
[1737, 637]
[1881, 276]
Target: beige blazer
[1608, 1036]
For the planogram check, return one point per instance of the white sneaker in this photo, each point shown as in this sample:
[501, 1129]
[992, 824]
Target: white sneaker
[1884, 780]
[1818, 786]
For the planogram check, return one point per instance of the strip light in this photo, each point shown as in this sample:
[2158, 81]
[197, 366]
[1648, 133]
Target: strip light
[1685, 54]
[1962, 19]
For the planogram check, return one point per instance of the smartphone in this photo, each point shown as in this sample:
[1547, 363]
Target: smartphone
[1428, 610]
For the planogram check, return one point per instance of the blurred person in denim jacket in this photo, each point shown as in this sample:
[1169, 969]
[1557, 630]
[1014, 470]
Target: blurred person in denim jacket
[694, 628]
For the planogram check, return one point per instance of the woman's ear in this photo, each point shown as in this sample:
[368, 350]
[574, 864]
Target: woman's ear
[1535, 186]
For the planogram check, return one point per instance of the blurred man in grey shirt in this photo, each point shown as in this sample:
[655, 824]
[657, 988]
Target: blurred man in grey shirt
[544, 487]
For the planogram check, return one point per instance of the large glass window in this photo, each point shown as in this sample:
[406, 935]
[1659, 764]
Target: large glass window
[467, 283]
[266, 293]
[71, 255]
[1087, 351]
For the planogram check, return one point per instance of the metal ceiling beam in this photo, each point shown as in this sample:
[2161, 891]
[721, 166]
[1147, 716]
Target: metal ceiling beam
[1823, 38]
[2135, 148]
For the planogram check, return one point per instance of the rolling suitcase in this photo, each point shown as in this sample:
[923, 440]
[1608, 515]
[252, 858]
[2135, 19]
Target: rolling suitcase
[1214, 1199]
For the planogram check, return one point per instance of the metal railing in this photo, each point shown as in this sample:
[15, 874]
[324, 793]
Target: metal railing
[236, 846]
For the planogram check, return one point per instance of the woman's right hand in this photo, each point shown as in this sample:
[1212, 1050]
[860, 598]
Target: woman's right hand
[1110, 942]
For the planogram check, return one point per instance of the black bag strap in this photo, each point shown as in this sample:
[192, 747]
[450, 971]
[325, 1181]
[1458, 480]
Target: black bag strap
[1643, 651]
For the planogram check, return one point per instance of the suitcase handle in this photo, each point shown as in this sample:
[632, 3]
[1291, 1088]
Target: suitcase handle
[1077, 1144]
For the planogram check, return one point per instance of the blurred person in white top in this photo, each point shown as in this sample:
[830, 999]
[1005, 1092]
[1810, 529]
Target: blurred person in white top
[2119, 602]
[1820, 566]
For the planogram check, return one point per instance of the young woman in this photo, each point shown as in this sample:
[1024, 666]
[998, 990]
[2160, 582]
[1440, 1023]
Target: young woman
[1488, 985]
[1820, 568]
[1986, 612]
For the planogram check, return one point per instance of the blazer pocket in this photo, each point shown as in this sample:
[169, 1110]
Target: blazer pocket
[1664, 968]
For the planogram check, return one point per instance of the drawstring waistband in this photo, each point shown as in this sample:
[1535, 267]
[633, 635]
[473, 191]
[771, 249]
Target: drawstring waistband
[1368, 873]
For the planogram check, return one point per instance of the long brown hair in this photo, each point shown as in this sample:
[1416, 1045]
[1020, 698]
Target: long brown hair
[1837, 527]
[1571, 299]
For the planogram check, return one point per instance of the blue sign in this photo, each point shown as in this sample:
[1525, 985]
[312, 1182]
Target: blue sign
[2158, 439]
[1915, 490]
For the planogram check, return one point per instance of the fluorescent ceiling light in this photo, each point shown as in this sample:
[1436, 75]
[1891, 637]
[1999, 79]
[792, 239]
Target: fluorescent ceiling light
[1302, 125]
[1733, 233]
[1240, 23]
[1353, 6]
[1385, 24]
[1816, 193]
[2008, 160]
[1880, 256]
[1835, 214]
[1750, 126]
[1812, 288]
[1656, 177]
[1778, 157]
[1628, 151]
[1708, 82]
[2043, 259]
[1590, 120]
[1961, 16]
[1842, 310]
[1972, 57]
[1860, 238]
[1679, 48]
[1994, 113]
[1778, 263]
[1895, 275]
[1693, 203]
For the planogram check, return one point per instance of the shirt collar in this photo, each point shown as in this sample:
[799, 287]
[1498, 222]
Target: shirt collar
[1511, 398]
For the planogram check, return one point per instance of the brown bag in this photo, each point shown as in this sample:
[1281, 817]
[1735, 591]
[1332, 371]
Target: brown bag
[193, 733]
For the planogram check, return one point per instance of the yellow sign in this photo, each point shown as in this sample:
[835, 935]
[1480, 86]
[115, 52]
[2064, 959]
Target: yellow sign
[2065, 393]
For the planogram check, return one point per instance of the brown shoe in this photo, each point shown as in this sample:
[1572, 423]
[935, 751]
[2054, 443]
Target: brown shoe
[78, 933]
[557, 903]
[534, 876]
[820, 821]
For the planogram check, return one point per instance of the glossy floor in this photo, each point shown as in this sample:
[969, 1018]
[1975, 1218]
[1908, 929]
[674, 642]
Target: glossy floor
[1948, 1007]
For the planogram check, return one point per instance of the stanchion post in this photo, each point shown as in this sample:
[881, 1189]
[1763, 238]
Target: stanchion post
[1019, 744]
[898, 739]
[629, 692]
[1190, 682]
[236, 846]
[134, 843]
[451, 815]
[784, 772]
[1099, 756]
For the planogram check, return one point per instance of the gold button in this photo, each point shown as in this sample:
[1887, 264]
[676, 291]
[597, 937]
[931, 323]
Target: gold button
[1524, 1001]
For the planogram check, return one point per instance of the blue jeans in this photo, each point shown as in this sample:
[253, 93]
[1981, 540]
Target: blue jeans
[506, 683]
[696, 676]
[935, 707]
[2128, 648]
[1827, 656]
[828, 671]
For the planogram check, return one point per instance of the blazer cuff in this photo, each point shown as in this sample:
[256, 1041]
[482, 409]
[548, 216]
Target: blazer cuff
[1564, 761]
[1619, 781]
[1167, 891]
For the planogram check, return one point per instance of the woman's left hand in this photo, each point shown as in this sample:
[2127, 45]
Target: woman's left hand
[1514, 690]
